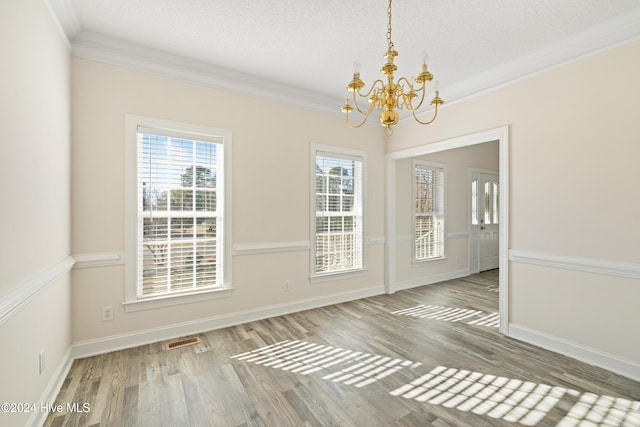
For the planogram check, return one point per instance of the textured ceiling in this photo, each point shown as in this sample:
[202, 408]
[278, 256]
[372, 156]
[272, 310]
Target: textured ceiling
[312, 44]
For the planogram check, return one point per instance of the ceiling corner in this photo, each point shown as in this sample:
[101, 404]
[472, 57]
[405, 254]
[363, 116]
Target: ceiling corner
[66, 17]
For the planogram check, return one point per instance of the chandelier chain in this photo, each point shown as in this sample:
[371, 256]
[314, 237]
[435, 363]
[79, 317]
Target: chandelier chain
[389, 42]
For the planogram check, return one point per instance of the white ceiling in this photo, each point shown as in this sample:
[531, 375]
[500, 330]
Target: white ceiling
[284, 48]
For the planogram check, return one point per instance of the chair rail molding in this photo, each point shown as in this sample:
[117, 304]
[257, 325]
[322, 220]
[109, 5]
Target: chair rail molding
[23, 293]
[271, 247]
[630, 270]
[100, 259]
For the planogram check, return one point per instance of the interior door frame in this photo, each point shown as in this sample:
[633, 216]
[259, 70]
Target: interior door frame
[500, 134]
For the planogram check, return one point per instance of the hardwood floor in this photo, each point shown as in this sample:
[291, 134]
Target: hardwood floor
[430, 356]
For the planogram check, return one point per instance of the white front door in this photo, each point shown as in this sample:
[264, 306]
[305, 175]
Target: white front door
[488, 220]
[484, 236]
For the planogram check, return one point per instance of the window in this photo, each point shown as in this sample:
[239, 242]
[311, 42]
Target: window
[429, 211]
[178, 207]
[337, 222]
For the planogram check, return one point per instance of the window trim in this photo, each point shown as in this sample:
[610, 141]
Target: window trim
[132, 124]
[340, 152]
[428, 164]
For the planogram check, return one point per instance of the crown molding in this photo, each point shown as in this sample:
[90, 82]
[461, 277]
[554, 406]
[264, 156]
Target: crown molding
[597, 39]
[106, 49]
[102, 48]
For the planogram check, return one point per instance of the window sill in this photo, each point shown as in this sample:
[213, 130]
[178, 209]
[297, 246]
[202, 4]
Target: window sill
[425, 262]
[171, 300]
[338, 275]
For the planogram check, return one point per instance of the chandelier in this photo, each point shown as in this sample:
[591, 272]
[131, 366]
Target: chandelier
[391, 95]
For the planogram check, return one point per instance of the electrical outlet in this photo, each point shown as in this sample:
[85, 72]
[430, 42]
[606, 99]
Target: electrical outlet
[42, 362]
[107, 313]
[286, 284]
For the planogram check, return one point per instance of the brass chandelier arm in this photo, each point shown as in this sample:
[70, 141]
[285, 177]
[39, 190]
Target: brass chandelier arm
[422, 98]
[366, 115]
[355, 103]
[435, 114]
[407, 82]
[364, 120]
[405, 97]
[366, 96]
[373, 87]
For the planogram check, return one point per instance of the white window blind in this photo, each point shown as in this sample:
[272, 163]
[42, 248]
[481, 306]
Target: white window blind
[429, 210]
[180, 212]
[338, 213]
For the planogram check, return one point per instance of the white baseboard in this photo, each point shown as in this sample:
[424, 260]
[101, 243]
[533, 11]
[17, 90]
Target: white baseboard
[428, 280]
[592, 356]
[50, 393]
[118, 342]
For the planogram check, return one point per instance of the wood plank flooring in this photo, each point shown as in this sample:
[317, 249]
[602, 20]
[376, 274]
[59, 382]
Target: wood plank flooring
[429, 356]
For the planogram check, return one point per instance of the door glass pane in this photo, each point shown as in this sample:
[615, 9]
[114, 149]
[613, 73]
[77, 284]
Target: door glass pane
[495, 202]
[487, 203]
[474, 202]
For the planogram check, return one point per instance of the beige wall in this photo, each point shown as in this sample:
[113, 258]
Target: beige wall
[35, 197]
[271, 182]
[573, 195]
[574, 135]
[458, 162]
[34, 164]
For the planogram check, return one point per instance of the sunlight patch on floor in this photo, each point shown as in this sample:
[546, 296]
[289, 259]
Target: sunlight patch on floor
[509, 399]
[347, 366]
[451, 314]
[597, 410]
[516, 401]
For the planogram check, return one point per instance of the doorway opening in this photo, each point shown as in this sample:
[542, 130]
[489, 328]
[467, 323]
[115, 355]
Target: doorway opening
[501, 135]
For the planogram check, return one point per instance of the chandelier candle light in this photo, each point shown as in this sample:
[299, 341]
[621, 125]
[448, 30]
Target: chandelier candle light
[391, 95]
